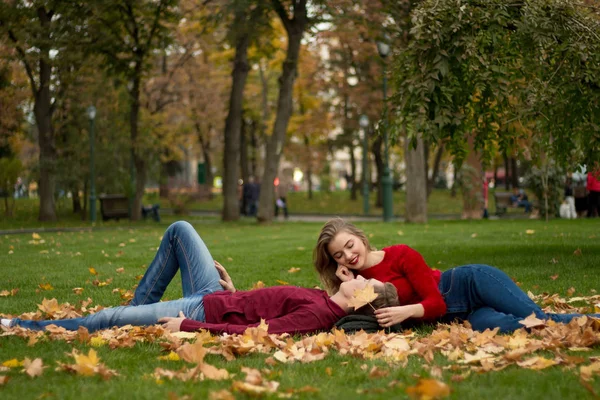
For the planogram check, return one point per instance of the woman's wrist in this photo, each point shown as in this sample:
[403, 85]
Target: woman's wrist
[417, 310]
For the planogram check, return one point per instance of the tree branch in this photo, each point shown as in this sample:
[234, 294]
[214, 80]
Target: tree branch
[23, 58]
[155, 23]
[282, 13]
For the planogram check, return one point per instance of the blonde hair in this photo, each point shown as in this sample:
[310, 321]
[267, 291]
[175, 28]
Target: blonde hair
[323, 261]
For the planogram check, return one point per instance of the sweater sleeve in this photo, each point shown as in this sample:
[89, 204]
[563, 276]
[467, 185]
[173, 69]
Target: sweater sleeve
[421, 279]
[298, 322]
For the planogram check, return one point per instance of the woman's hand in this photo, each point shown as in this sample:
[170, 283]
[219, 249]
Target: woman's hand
[225, 280]
[172, 324]
[389, 316]
[344, 274]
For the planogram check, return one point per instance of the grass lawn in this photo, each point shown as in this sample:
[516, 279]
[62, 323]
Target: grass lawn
[327, 203]
[540, 261]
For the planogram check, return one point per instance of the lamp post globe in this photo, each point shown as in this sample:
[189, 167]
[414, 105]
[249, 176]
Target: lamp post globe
[383, 48]
[363, 121]
[91, 114]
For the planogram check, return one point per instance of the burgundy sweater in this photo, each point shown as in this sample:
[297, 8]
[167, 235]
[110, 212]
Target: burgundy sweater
[286, 309]
[416, 283]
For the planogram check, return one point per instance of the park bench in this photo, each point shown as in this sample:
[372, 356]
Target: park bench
[503, 202]
[114, 206]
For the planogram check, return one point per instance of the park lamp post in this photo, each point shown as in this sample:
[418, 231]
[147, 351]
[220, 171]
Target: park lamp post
[91, 113]
[363, 121]
[386, 180]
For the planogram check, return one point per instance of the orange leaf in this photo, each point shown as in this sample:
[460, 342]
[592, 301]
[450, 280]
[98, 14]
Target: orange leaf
[92, 271]
[4, 380]
[192, 352]
[293, 270]
[214, 373]
[428, 389]
[45, 286]
[554, 277]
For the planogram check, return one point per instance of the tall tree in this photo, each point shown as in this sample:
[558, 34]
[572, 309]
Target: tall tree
[295, 26]
[127, 32]
[43, 34]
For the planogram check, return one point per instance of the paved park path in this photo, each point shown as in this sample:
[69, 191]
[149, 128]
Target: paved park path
[292, 218]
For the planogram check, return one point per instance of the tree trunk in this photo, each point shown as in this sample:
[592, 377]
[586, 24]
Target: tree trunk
[515, 172]
[353, 180]
[138, 160]
[506, 172]
[231, 158]
[309, 167]
[436, 169]
[295, 29]
[472, 184]
[244, 151]
[43, 117]
[376, 149]
[75, 199]
[416, 182]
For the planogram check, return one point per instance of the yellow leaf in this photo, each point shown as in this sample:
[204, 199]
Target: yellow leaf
[45, 286]
[282, 282]
[530, 231]
[93, 271]
[14, 363]
[258, 285]
[400, 233]
[35, 236]
[536, 363]
[77, 290]
[97, 341]
[86, 364]
[428, 389]
[293, 270]
[223, 394]
[172, 356]
[363, 296]
[120, 270]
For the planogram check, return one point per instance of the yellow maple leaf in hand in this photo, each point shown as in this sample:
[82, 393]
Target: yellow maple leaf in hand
[363, 296]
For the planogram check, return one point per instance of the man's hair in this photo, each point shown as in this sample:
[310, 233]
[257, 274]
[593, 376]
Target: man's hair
[387, 297]
[323, 261]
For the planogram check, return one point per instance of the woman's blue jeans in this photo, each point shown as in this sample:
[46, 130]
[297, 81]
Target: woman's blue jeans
[488, 298]
[181, 249]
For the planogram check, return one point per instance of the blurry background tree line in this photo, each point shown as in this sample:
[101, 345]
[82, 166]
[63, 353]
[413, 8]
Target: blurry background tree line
[481, 84]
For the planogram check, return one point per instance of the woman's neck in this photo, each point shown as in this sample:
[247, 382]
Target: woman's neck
[374, 258]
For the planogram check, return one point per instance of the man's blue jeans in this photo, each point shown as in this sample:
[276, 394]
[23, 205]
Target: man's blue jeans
[181, 249]
[488, 298]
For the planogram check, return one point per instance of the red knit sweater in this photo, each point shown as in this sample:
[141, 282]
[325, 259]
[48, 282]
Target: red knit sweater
[415, 281]
[286, 309]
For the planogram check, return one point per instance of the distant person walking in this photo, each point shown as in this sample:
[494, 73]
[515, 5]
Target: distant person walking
[593, 187]
[251, 193]
[281, 190]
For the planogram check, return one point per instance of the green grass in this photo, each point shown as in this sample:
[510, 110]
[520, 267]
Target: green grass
[327, 203]
[251, 253]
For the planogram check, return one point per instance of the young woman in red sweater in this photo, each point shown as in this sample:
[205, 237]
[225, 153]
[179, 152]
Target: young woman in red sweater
[483, 295]
[286, 309]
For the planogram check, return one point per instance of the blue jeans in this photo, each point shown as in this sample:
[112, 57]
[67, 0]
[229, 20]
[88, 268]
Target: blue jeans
[488, 298]
[180, 249]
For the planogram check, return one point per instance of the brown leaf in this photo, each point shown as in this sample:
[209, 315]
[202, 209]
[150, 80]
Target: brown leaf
[532, 321]
[571, 291]
[293, 270]
[428, 389]
[78, 290]
[587, 371]
[4, 380]
[33, 368]
[214, 373]
[577, 252]
[221, 395]
[537, 363]
[554, 277]
[193, 353]
[378, 373]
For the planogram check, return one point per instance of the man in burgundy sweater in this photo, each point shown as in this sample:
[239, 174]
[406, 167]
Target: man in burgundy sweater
[286, 309]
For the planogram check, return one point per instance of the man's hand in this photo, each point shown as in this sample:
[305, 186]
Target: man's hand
[225, 280]
[344, 273]
[172, 324]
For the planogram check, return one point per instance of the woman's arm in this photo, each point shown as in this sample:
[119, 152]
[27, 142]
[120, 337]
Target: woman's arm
[421, 279]
[389, 316]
